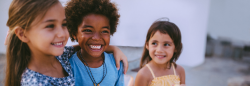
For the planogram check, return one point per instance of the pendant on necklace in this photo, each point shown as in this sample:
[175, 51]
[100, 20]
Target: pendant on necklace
[94, 84]
[98, 85]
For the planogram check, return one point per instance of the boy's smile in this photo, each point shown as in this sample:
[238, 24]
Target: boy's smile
[93, 35]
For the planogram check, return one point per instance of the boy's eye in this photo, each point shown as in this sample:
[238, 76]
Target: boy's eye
[86, 31]
[154, 43]
[105, 31]
[65, 24]
[166, 45]
[50, 26]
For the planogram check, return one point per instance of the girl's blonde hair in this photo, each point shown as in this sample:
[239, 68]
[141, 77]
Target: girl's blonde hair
[21, 14]
[164, 27]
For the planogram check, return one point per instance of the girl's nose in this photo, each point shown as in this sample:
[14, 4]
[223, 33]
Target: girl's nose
[61, 32]
[159, 49]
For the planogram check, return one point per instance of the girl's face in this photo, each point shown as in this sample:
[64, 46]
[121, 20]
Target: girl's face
[93, 35]
[49, 35]
[161, 47]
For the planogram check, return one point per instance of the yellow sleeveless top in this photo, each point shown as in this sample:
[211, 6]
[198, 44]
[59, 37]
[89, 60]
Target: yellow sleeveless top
[167, 80]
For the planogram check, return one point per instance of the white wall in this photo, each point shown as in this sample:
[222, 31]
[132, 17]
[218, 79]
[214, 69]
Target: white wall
[191, 16]
[230, 18]
[4, 8]
[136, 17]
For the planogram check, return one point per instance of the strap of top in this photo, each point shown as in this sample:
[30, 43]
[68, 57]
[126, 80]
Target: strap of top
[173, 68]
[150, 70]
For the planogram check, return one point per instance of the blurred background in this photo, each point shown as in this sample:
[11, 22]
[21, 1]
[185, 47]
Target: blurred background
[215, 36]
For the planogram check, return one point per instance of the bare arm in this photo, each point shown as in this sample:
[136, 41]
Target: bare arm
[76, 47]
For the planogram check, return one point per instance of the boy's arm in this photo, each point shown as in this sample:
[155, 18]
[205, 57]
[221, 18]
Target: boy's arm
[119, 56]
[76, 47]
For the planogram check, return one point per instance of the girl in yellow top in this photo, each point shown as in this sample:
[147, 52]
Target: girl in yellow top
[158, 63]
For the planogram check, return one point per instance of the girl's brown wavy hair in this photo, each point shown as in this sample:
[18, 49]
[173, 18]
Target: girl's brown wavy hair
[21, 14]
[164, 27]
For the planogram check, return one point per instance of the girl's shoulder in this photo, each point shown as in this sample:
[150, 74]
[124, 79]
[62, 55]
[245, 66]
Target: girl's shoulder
[144, 73]
[179, 69]
[143, 77]
[68, 49]
[181, 72]
[67, 53]
[33, 78]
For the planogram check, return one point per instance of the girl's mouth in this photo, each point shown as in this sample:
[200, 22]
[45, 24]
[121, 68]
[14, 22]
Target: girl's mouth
[160, 56]
[58, 44]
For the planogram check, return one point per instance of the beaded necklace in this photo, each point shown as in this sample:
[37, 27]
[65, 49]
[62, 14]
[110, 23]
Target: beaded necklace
[90, 73]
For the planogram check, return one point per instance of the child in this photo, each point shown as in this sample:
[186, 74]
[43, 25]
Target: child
[162, 49]
[91, 22]
[37, 34]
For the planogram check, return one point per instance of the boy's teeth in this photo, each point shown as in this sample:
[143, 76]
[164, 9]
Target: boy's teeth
[95, 46]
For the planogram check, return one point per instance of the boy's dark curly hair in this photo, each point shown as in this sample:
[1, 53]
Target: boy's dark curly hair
[77, 9]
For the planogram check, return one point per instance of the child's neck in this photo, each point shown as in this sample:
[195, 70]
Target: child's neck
[160, 66]
[39, 61]
[93, 62]
[47, 65]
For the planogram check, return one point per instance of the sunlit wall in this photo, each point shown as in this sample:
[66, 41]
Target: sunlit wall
[230, 18]
[191, 16]
[136, 17]
[4, 8]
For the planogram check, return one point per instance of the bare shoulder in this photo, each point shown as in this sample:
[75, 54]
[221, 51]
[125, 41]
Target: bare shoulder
[144, 71]
[143, 77]
[180, 70]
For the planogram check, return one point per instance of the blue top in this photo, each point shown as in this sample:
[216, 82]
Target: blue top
[33, 78]
[114, 77]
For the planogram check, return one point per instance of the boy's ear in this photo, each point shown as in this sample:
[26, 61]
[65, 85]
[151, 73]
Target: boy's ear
[20, 34]
[74, 36]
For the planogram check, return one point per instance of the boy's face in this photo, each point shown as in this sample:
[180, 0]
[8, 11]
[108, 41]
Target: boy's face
[93, 35]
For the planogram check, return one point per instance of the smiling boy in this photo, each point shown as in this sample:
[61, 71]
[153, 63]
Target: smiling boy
[91, 22]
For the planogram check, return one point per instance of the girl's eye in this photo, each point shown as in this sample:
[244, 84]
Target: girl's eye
[50, 26]
[86, 31]
[154, 43]
[166, 45]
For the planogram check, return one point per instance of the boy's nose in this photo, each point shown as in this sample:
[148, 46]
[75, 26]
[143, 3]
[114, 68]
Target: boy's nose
[96, 36]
